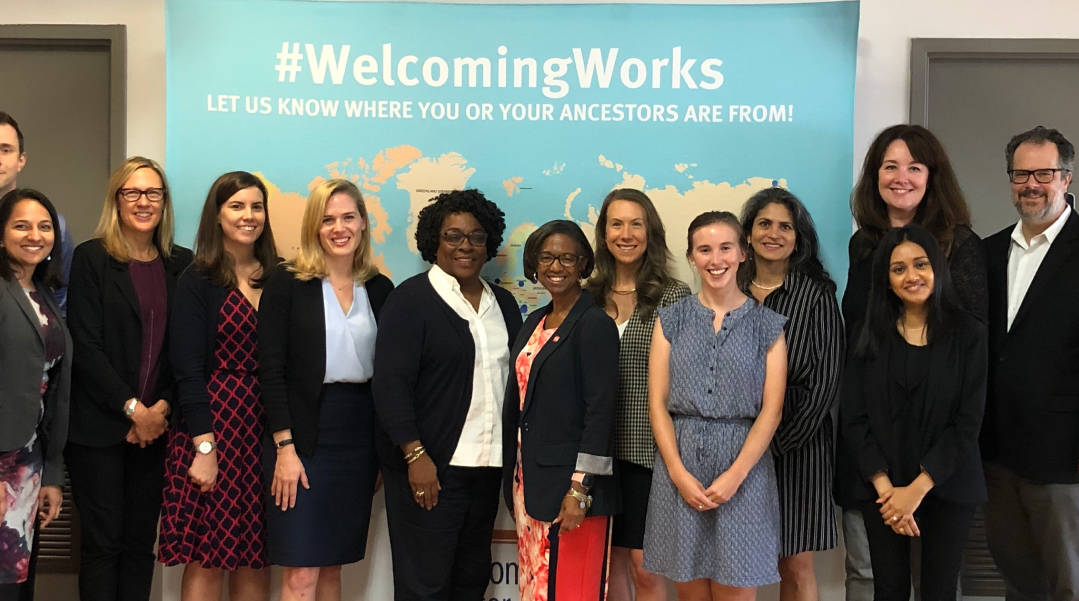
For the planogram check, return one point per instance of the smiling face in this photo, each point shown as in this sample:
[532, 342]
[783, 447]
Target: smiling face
[1038, 203]
[773, 236]
[901, 182]
[342, 224]
[243, 217]
[557, 278]
[716, 255]
[143, 215]
[910, 274]
[626, 233]
[29, 235]
[462, 260]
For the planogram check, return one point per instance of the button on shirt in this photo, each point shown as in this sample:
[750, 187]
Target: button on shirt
[1025, 258]
[350, 337]
[480, 444]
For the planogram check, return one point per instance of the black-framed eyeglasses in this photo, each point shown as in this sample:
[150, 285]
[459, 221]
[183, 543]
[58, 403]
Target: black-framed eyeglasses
[132, 194]
[457, 237]
[567, 260]
[1042, 176]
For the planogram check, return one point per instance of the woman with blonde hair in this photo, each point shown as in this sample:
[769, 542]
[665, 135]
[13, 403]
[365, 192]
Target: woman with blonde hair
[122, 387]
[317, 326]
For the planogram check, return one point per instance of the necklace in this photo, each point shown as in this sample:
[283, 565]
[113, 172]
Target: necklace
[767, 287]
[630, 291]
[906, 331]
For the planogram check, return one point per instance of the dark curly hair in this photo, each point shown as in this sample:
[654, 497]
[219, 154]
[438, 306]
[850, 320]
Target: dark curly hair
[472, 201]
[559, 226]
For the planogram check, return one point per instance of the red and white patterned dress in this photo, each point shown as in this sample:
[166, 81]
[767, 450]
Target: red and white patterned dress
[580, 558]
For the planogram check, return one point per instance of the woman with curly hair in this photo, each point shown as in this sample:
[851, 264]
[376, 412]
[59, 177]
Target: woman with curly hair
[442, 363]
[632, 281]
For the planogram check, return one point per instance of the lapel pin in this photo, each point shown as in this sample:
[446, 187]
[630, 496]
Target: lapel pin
[555, 339]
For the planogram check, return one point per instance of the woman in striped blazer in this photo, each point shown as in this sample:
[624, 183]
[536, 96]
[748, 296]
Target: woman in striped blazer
[784, 272]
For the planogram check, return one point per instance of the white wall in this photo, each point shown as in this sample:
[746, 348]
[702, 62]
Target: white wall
[881, 99]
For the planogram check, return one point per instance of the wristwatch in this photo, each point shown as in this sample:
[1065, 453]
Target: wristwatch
[129, 407]
[205, 447]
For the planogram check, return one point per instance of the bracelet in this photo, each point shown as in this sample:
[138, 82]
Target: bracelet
[414, 454]
[582, 498]
[284, 442]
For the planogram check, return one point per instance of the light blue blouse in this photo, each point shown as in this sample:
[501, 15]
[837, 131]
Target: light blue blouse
[350, 337]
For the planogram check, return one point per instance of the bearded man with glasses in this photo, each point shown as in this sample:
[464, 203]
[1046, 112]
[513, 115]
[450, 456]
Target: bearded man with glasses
[1030, 434]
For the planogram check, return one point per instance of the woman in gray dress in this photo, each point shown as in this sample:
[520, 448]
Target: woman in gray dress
[717, 378]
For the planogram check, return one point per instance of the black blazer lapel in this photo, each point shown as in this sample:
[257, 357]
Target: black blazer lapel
[996, 250]
[561, 334]
[122, 278]
[1059, 255]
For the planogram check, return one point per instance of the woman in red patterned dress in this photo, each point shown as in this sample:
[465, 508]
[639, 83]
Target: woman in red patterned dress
[212, 517]
[558, 421]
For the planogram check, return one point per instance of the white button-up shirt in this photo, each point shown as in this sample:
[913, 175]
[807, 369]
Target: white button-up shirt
[480, 444]
[1024, 259]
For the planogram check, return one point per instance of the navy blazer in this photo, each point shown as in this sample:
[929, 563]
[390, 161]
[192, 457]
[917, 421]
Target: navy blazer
[22, 357]
[292, 351]
[1032, 412]
[948, 427]
[568, 415]
[103, 314]
[424, 363]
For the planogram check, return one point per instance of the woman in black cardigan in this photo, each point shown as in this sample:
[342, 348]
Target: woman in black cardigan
[122, 387]
[35, 380]
[558, 426]
[441, 364]
[317, 325]
[912, 401]
[212, 520]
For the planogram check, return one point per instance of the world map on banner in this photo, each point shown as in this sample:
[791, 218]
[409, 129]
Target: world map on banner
[398, 182]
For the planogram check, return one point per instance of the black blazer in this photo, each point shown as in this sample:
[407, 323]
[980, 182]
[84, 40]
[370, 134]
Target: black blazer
[569, 410]
[1032, 415]
[949, 424]
[103, 314]
[22, 357]
[424, 361]
[292, 351]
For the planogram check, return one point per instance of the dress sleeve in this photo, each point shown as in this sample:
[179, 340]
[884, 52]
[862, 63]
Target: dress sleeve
[771, 326]
[810, 403]
[967, 265]
[670, 319]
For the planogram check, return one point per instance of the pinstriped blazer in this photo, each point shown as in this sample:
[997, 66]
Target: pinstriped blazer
[633, 440]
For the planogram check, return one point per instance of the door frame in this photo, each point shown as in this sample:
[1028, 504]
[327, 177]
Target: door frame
[924, 51]
[113, 38]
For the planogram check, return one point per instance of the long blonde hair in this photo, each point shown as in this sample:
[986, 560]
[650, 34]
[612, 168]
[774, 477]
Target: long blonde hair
[310, 261]
[109, 227]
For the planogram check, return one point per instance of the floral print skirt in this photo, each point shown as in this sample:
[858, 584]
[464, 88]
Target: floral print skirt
[20, 477]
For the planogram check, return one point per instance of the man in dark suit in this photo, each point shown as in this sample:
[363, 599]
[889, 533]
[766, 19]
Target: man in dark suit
[1030, 436]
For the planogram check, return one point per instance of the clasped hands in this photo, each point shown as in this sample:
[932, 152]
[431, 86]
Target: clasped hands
[700, 498]
[148, 423]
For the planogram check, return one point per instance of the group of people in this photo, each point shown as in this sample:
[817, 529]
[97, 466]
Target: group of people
[242, 410]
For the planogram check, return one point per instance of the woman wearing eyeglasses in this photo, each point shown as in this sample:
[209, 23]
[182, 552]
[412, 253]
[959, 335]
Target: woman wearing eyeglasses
[122, 386]
[559, 426]
[441, 364]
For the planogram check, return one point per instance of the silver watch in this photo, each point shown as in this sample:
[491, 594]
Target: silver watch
[205, 447]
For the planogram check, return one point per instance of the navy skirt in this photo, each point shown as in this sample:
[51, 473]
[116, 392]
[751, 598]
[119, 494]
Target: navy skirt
[328, 525]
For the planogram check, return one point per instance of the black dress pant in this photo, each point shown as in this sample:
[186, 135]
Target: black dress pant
[944, 526]
[117, 490]
[443, 554]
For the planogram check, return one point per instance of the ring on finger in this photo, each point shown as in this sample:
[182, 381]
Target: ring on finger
[419, 493]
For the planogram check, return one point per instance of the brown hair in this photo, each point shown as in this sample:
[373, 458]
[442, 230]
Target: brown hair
[943, 207]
